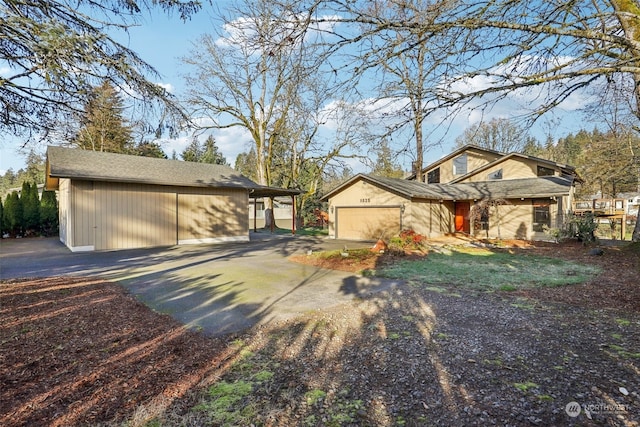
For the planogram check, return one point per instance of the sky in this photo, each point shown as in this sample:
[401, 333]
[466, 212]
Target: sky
[162, 40]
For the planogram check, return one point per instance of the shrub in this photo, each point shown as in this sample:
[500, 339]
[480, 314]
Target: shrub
[407, 240]
[580, 227]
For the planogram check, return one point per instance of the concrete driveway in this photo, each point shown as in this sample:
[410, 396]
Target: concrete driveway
[218, 288]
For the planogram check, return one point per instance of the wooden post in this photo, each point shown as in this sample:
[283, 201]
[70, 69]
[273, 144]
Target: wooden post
[273, 214]
[255, 213]
[293, 214]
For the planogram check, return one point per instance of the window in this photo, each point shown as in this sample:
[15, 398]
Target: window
[433, 177]
[495, 175]
[541, 217]
[542, 171]
[481, 217]
[460, 165]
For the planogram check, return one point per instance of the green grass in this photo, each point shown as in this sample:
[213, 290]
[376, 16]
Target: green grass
[525, 386]
[306, 231]
[485, 269]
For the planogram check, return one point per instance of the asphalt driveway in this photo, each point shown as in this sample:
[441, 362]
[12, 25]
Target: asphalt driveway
[218, 288]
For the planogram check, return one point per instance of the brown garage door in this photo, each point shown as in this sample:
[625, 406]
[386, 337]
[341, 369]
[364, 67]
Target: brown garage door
[369, 223]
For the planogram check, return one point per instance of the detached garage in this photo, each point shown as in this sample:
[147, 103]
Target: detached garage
[113, 201]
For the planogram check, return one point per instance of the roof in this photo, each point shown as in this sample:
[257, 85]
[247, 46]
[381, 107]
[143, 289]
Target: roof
[549, 186]
[454, 154]
[112, 167]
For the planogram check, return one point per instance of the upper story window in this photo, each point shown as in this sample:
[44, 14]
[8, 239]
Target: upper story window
[460, 165]
[495, 175]
[433, 177]
[542, 171]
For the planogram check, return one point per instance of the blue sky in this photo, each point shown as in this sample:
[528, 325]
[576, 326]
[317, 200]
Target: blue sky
[161, 40]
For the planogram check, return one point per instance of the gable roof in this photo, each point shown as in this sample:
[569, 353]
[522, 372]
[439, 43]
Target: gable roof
[565, 169]
[454, 154]
[541, 187]
[112, 167]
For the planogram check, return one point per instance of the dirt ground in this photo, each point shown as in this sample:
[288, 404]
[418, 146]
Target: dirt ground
[80, 351]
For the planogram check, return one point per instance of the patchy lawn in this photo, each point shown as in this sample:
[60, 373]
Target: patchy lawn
[77, 351]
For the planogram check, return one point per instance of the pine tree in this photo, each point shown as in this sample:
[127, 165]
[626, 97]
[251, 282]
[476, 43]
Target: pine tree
[30, 208]
[103, 126]
[385, 164]
[49, 213]
[192, 152]
[149, 149]
[211, 154]
[13, 214]
[1, 219]
[246, 164]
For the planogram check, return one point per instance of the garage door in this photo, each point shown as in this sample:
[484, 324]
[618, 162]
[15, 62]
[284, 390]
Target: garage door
[369, 223]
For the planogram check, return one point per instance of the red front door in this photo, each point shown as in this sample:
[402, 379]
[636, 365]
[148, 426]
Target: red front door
[462, 217]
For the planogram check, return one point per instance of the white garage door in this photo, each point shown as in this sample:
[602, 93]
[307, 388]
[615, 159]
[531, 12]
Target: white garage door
[370, 223]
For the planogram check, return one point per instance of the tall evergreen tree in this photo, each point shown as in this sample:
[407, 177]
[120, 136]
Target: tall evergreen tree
[192, 152]
[211, 154]
[103, 127]
[30, 208]
[49, 213]
[13, 214]
[149, 149]
[1, 219]
[385, 164]
[246, 164]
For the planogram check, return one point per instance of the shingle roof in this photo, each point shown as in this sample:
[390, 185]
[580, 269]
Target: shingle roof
[505, 189]
[100, 166]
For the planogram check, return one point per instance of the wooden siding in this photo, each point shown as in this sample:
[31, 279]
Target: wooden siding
[134, 216]
[430, 217]
[64, 213]
[475, 159]
[82, 206]
[517, 168]
[515, 221]
[215, 215]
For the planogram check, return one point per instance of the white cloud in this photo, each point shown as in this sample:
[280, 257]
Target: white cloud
[242, 32]
[167, 86]
[233, 141]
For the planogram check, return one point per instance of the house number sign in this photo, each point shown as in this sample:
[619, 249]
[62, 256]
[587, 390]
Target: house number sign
[365, 200]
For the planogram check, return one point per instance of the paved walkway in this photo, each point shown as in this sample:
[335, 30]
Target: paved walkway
[219, 288]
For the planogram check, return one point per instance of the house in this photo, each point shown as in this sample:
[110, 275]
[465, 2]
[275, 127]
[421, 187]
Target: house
[513, 196]
[114, 201]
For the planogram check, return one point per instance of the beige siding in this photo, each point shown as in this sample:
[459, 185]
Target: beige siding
[515, 221]
[475, 160]
[511, 169]
[82, 224]
[431, 218]
[212, 215]
[361, 194]
[64, 211]
[134, 216]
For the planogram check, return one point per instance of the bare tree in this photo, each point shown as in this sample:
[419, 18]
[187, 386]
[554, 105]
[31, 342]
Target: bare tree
[262, 74]
[498, 134]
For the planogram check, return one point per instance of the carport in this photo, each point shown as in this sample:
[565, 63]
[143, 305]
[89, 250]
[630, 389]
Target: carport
[271, 193]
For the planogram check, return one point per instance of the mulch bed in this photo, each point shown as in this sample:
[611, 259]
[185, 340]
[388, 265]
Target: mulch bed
[80, 351]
